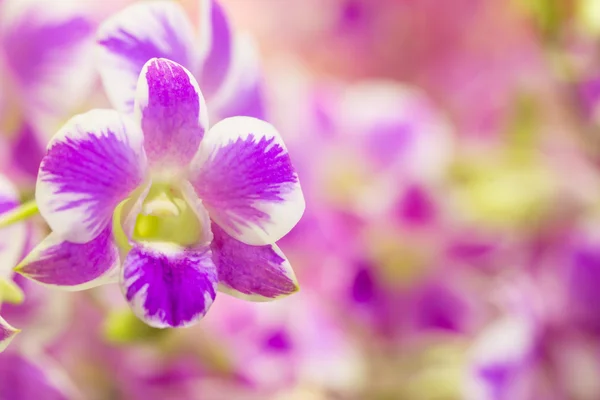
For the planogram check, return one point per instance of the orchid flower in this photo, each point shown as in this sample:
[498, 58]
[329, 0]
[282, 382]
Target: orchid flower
[174, 210]
[45, 55]
[223, 62]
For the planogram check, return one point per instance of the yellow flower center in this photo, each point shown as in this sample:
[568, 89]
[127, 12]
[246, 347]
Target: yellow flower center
[167, 217]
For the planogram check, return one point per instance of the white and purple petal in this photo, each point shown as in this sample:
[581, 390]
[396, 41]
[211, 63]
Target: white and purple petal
[256, 273]
[130, 38]
[93, 163]
[247, 182]
[73, 266]
[14, 237]
[47, 47]
[172, 113]
[216, 44]
[241, 93]
[167, 286]
[25, 376]
[499, 360]
[7, 334]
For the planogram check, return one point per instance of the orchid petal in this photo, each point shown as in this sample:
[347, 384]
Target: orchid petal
[256, 273]
[241, 93]
[47, 47]
[33, 376]
[14, 237]
[135, 35]
[167, 286]
[7, 334]
[93, 163]
[73, 266]
[246, 180]
[172, 112]
[498, 359]
[216, 46]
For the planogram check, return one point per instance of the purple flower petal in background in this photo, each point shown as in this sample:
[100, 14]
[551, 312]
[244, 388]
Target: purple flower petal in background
[12, 238]
[135, 35]
[224, 64]
[24, 377]
[7, 334]
[499, 359]
[217, 45]
[47, 49]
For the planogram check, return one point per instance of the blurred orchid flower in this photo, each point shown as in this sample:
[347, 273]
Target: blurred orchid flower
[33, 376]
[500, 359]
[12, 245]
[189, 210]
[41, 316]
[45, 55]
[285, 344]
[224, 63]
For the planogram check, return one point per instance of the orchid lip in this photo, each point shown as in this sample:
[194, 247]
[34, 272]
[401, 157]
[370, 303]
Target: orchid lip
[165, 216]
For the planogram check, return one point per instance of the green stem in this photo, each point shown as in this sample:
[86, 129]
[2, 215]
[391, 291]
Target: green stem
[26, 210]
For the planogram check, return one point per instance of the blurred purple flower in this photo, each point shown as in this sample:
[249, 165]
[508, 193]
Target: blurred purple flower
[33, 376]
[45, 55]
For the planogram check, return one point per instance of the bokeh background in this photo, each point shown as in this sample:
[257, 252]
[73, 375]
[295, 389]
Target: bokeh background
[449, 153]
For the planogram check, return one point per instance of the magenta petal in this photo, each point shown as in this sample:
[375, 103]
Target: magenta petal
[7, 334]
[172, 113]
[246, 180]
[135, 35]
[92, 164]
[22, 378]
[258, 273]
[72, 266]
[242, 92]
[168, 286]
[499, 358]
[216, 38]
[12, 238]
[47, 48]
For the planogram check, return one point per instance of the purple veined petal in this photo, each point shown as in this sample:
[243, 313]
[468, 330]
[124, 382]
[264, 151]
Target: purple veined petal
[73, 266]
[167, 286]
[241, 93]
[48, 51]
[172, 113]
[142, 31]
[256, 273]
[498, 359]
[25, 376]
[216, 40]
[12, 238]
[245, 179]
[7, 334]
[93, 163]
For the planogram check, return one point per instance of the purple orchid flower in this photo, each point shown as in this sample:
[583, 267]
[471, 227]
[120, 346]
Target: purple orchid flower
[224, 63]
[189, 210]
[45, 55]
